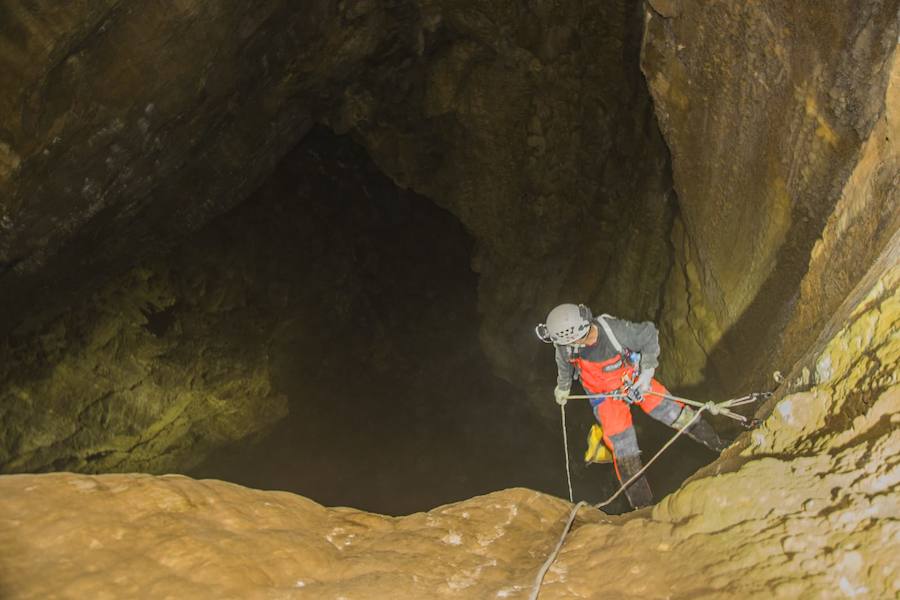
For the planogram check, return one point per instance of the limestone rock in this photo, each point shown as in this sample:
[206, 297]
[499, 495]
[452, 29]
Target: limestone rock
[766, 125]
[123, 127]
[531, 123]
[141, 536]
[124, 382]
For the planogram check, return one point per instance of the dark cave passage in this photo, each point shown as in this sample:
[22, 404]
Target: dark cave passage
[392, 405]
[369, 304]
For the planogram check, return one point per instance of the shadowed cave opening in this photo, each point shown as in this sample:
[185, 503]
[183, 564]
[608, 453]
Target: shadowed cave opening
[369, 304]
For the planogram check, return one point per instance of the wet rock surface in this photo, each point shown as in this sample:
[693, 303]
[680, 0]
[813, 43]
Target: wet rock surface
[770, 130]
[160, 536]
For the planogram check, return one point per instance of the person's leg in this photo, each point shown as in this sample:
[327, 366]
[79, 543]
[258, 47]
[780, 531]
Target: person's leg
[676, 415]
[659, 407]
[618, 433]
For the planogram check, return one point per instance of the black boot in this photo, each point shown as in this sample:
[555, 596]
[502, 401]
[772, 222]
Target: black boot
[703, 432]
[639, 494]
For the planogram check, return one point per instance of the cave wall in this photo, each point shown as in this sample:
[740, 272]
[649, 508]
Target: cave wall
[781, 125]
[208, 345]
[130, 128]
[124, 127]
[531, 122]
[128, 381]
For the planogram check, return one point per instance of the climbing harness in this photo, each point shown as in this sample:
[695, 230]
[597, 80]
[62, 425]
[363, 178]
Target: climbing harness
[721, 408]
[621, 368]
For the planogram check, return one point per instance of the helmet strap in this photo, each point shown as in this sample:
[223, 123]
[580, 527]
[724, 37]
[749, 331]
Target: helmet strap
[542, 333]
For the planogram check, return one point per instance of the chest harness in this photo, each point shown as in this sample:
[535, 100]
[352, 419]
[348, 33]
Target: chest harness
[608, 375]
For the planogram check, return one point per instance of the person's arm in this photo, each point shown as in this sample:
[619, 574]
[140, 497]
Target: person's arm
[641, 337]
[564, 369]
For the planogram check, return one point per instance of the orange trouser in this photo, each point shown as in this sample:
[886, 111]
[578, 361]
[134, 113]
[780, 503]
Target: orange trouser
[614, 415]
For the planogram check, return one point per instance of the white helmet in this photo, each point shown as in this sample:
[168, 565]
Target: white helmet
[565, 324]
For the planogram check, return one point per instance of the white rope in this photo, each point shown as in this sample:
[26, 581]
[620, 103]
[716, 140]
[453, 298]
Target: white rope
[539, 579]
[716, 409]
[712, 407]
[562, 412]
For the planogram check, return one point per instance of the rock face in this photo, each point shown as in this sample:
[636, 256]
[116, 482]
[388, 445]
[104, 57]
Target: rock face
[132, 127]
[179, 355]
[123, 128]
[132, 382]
[531, 122]
[774, 136]
[229, 357]
[805, 506]
[146, 536]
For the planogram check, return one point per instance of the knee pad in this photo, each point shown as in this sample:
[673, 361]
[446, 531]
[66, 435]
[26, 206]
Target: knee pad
[687, 413]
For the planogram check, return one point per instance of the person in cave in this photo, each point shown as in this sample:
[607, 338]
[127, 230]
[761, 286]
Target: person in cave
[615, 361]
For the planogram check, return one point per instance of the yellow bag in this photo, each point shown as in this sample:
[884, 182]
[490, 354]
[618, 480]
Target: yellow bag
[596, 451]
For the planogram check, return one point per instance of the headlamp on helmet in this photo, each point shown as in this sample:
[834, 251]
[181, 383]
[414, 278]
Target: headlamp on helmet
[567, 323]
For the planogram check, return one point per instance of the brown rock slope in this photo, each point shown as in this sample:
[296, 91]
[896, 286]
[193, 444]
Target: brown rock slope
[155, 537]
[805, 506]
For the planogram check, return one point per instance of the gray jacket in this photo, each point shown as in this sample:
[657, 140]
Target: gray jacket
[639, 337]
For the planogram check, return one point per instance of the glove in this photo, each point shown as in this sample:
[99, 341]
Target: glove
[561, 396]
[635, 392]
[643, 383]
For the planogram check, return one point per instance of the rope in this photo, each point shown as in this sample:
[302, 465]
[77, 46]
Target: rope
[539, 578]
[721, 408]
[712, 407]
[562, 412]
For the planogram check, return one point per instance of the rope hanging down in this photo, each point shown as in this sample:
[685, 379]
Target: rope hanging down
[712, 407]
[562, 413]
